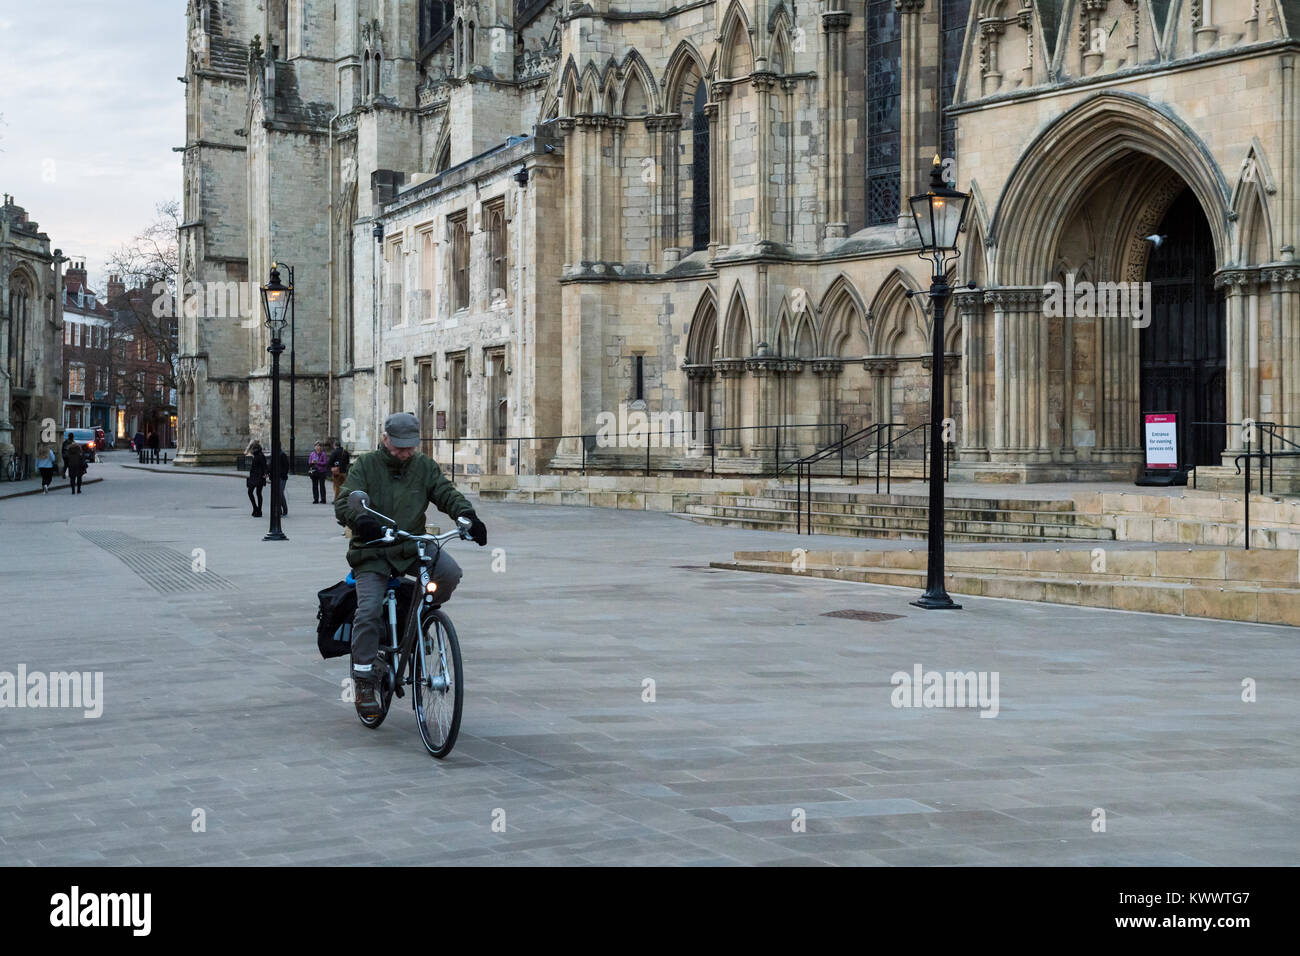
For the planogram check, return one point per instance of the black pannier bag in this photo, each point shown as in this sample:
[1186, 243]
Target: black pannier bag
[338, 605]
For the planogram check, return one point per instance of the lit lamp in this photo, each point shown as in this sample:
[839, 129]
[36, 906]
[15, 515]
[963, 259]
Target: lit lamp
[276, 298]
[939, 215]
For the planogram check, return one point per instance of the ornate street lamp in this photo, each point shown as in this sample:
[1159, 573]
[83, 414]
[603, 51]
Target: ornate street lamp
[276, 299]
[939, 215]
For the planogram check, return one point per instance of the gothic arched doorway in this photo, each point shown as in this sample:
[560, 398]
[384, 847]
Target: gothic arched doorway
[1184, 359]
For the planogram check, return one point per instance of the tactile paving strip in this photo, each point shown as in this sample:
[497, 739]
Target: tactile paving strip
[165, 570]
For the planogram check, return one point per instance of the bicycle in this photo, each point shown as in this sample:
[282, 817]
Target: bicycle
[15, 468]
[431, 665]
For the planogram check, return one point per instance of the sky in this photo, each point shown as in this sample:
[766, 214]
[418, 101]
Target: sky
[90, 109]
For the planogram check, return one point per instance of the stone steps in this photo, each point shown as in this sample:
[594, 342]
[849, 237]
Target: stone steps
[895, 526]
[867, 514]
[1256, 586]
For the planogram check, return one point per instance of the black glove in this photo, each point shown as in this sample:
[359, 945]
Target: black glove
[367, 528]
[477, 530]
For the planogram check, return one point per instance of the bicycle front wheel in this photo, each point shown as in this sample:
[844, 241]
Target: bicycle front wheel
[439, 686]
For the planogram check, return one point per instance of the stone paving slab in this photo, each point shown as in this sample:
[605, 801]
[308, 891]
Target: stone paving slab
[217, 700]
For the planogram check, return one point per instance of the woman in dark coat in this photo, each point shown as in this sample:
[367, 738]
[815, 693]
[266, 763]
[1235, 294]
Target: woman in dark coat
[257, 472]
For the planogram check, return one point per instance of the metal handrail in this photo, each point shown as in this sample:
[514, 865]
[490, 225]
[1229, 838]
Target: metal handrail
[805, 464]
[1195, 469]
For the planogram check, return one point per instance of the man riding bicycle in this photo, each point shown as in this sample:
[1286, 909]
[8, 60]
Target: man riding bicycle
[401, 484]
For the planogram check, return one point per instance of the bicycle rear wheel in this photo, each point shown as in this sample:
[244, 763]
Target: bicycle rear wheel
[439, 686]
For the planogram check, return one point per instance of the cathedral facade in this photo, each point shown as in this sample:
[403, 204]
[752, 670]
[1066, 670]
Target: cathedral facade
[520, 218]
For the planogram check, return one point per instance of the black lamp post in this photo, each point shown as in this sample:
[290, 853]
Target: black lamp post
[275, 303]
[939, 215]
[293, 368]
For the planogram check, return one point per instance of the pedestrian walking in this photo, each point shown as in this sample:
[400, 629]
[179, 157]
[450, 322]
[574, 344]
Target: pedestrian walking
[256, 481]
[154, 445]
[63, 454]
[339, 461]
[284, 477]
[74, 459]
[318, 468]
[137, 444]
[45, 462]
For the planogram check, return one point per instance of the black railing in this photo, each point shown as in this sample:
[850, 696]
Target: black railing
[804, 468]
[681, 439]
[883, 452]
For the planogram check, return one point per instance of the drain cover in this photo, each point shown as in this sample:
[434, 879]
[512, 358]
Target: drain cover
[863, 615]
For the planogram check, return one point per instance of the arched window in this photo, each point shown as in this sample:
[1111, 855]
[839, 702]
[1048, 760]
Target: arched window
[884, 59]
[952, 25]
[365, 76]
[433, 15]
[497, 239]
[379, 62]
[20, 297]
[700, 170]
[469, 46]
[460, 262]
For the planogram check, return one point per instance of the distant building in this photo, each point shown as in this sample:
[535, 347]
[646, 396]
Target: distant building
[31, 320]
[88, 400]
[116, 376]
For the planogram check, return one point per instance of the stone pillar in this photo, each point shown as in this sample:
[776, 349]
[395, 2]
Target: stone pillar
[882, 377]
[1136, 31]
[1018, 379]
[670, 163]
[730, 371]
[787, 187]
[974, 363]
[720, 162]
[716, 209]
[700, 382]
[1290, 157]
[829, 412]
[1252, 350]
[1025, 20]
[572, 187]
[763, 83]
[1285, 284]
[834, 25]
[1093, 39]
[1206, 33]
[990, 36]
[910, 90]
[612, 206]
[1237, 329]
[763, 384]
[654, 143]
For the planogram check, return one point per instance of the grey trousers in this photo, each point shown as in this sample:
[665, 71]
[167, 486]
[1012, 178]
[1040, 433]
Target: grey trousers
[368, 626]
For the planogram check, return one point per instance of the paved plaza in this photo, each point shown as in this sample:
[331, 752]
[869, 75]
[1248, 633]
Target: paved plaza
[772, 737]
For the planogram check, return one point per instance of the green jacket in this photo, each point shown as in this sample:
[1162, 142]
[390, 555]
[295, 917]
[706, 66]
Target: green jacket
[402, 490]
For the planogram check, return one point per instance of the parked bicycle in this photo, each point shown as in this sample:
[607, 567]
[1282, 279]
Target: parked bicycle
[15, 468]
[427, 653]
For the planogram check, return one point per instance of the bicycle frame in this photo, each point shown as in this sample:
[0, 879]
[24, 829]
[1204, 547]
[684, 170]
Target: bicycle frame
[396, 641]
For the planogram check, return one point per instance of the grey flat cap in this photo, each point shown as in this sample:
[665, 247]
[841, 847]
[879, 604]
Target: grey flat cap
[402, 429]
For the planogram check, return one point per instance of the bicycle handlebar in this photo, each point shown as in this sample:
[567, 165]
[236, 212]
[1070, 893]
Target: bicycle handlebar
[361, 502]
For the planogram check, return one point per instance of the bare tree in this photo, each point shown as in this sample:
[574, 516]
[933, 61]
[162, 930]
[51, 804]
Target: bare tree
[145, 315]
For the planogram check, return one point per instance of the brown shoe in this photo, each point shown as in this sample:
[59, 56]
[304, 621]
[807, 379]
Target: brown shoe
[366, 697]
